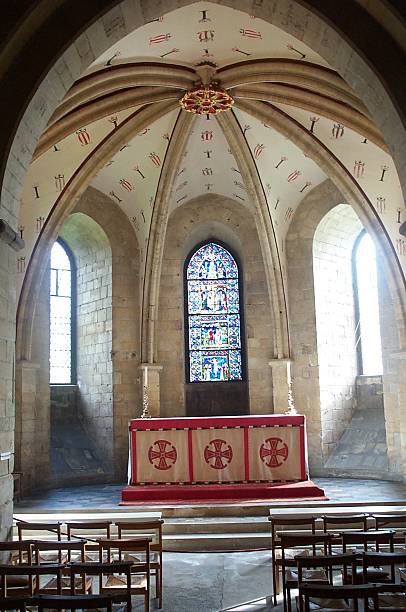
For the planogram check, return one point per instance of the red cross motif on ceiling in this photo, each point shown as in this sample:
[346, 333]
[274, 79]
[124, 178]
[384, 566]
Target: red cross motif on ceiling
[162, 454]
[218, 454]
[273, 452]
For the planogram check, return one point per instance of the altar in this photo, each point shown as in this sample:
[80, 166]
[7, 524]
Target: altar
[249, 449]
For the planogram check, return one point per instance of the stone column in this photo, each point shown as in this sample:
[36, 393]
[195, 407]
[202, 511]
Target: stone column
[151, 387]
[32, 425]
[394, 384]
[280, 382]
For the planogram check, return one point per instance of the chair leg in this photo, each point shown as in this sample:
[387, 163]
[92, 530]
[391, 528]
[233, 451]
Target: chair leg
[159, 587]
[146, 602]
[275, 582]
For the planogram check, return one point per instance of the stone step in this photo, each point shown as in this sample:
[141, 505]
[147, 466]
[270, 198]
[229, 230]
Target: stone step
[203, 542]
[205, 525]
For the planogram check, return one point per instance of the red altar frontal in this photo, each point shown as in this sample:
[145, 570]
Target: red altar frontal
[218, 450]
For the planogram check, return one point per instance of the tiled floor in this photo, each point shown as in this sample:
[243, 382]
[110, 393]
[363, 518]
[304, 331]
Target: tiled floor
[215, 582]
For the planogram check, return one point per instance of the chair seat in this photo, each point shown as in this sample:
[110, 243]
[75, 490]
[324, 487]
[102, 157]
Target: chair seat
[308, 575]
[329, 605]
[120, 582]
[53, 557]
[51, 587]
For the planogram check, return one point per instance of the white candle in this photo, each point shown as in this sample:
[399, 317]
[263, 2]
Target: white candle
[146, 377]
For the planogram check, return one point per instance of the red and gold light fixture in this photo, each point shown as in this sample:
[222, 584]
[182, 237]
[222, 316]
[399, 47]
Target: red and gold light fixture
[206, 100]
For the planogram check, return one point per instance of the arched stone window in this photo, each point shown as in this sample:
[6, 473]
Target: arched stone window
[367, 328]
[62, 357]
[213, 316]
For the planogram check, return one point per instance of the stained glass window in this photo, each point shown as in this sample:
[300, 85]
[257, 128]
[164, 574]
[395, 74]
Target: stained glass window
[61, 353]
[213, 315]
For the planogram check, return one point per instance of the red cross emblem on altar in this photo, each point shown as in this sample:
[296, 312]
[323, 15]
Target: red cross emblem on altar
[273, 452]
[162, 454]
[218, 454]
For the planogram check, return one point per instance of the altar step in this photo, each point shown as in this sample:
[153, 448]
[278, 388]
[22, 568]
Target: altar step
[208, 528]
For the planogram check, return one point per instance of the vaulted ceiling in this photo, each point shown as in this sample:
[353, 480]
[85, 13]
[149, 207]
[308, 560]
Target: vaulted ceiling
[294, 123]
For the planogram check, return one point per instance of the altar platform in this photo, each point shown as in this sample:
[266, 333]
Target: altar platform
[256, 457]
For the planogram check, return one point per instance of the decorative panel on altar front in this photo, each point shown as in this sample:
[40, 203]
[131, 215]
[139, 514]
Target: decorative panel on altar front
[218, 450]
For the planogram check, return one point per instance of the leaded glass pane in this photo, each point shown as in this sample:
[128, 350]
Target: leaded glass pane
[213, 315]
[60, 317]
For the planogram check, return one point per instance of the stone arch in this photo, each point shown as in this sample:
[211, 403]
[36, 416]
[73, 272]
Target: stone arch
[223, 219]
[108, 324]
[315, 207]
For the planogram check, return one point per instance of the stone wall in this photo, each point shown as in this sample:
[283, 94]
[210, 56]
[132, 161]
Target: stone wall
[125, 301]
[75, 457]
[33, 399]
[335, 324]
[7, 336]
[93, 258]
[233, 225]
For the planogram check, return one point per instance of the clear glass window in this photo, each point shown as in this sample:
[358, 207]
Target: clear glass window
[368, 331]
[61, 353]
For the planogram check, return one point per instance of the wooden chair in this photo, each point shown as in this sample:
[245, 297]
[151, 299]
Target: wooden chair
[14, 552]
[279, 525]
[300, 544]
[34, 572]
[72, 602]
[66, 551]
[138, 552]
[393, 521]
[92, 531]
[114, 576]
[328, 597]
[336, 567]
[368, 541]
[153, 527]
[392, 597]
[390, 560]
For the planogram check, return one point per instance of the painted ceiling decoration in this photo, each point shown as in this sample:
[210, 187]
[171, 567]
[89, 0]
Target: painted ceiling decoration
[290, 112]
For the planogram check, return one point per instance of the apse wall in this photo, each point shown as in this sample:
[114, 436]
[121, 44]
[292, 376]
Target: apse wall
[213, 217]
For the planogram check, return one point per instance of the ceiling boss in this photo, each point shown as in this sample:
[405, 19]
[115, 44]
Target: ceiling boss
[207, 99]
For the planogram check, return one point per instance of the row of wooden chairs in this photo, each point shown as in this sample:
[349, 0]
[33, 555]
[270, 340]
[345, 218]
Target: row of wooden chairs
[315, 559]
[123, 566]
[351, 598]
[358, 522]
[94, 530]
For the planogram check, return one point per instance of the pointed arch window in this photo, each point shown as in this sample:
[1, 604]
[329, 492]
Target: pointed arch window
[367, 331]
[62, 307]
[213, 315]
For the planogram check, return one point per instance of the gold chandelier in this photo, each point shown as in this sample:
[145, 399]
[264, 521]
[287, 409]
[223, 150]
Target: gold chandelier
[206, 100]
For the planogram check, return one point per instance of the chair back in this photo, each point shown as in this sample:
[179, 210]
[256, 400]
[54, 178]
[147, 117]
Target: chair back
[315, 542]
[13, 603]
[330, 563]
[127, 529]
[92, 528]
[364, 538]
[364, 593]
[33, 572]
[91, 568]
[352, 521]
[62, 602]
[24, 527]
